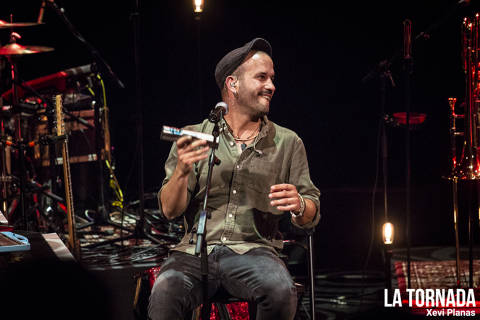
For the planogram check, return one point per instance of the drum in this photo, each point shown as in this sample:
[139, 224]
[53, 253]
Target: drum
[81, 139]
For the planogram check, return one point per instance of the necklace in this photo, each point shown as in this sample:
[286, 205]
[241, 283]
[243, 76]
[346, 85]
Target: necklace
[253, 135]
[250, 137]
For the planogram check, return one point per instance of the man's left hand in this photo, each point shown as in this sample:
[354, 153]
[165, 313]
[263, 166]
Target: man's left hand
[285, 197]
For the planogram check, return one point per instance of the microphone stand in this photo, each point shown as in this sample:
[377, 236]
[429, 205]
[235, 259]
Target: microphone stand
[101, 63]
[201, 245]
[408, 70]
[140, 229]
[382, 70]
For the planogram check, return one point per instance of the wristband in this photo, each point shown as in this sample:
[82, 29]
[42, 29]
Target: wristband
[301, 210]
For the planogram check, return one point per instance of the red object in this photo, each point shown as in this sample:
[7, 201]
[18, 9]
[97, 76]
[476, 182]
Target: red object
[6, 227]
[415, 118]
[237, 310]
[57, 81]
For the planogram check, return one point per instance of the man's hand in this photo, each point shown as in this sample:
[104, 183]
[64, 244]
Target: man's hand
[174, 194]
[285, 197]
[189, 152]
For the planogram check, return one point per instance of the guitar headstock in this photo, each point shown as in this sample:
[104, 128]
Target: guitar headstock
[60, 124]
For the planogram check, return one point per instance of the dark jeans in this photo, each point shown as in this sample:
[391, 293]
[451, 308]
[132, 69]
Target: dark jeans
[258, 275]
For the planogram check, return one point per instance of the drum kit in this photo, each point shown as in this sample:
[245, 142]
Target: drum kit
[30, 193]
[31, 185]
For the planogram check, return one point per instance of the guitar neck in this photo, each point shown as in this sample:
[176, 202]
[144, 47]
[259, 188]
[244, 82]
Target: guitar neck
[72, 238]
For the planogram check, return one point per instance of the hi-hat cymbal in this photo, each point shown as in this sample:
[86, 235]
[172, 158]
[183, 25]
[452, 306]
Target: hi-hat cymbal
[4, 24]
[13, 49]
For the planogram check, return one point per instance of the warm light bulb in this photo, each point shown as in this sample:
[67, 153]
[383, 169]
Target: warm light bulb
[198, 6]
[387, 233]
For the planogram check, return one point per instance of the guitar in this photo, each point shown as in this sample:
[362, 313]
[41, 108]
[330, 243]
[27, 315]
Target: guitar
[73, 243]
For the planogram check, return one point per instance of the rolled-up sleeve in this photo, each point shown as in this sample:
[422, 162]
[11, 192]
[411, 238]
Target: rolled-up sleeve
[300, 178]
[170, 166]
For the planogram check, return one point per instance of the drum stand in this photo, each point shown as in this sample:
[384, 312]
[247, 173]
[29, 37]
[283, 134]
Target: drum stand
[31, 186]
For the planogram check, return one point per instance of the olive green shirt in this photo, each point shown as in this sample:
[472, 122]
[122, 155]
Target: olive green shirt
[241, 215]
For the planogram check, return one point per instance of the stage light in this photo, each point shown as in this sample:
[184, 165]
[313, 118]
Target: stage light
[387, 233]
[198, 6]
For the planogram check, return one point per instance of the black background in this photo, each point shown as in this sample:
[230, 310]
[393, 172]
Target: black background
[322, 50]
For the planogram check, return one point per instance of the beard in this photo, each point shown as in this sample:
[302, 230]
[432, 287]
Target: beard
[255, 104]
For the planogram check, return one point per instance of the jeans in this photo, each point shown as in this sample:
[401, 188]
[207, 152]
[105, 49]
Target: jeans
[258, 275]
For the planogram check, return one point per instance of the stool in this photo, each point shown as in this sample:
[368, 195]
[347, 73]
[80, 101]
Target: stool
[226, 307]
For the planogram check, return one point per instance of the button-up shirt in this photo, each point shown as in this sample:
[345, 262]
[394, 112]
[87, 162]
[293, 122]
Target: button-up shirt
[241, 215]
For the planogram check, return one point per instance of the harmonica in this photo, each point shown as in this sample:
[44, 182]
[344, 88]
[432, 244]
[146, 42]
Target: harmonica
[173, 134]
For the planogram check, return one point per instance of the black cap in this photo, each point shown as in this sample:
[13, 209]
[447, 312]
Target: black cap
[230, 62]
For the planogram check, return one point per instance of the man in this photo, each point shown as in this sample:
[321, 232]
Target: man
[263, 172]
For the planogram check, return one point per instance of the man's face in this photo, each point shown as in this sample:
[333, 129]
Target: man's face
[255, 84]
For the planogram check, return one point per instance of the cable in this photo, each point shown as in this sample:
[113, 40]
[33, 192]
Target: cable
[372, 221]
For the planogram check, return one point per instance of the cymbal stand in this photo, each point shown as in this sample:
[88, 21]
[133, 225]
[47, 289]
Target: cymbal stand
[19, 139]
[4, 148]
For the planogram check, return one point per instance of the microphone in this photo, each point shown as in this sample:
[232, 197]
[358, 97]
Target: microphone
[81, 70]
[218, 112]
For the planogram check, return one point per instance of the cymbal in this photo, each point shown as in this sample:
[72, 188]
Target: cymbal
[4, 24]
[13, 49]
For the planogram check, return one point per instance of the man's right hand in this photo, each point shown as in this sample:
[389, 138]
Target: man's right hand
[190, 151]
[174, 194]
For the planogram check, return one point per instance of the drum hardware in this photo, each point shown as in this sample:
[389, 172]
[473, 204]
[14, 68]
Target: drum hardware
[31, 186]
[11, 51]
[21, 109]
[77, 119]
[8, 25]
[466, 167]
[15, 49]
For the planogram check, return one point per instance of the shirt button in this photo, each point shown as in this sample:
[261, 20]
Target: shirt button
[232, 143]
[224, 239]
[238, 166]
[234, 191]
[230, 215]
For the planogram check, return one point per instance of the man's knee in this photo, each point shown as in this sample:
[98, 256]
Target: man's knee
[280, 293]
[167, 295]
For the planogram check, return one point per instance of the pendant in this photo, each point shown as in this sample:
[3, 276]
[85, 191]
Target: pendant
[243, 146]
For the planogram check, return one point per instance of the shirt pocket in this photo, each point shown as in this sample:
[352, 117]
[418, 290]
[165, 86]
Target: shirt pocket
[262, 175]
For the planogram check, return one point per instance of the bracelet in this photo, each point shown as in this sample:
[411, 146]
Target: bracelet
[302, 208]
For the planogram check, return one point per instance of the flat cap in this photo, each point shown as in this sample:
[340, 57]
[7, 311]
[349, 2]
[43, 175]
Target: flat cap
[227, 65]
